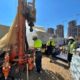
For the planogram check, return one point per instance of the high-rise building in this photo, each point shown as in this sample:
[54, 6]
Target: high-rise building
[60, 31]
[3, 30]
[72, 28]
[78, 32]
[50, 30]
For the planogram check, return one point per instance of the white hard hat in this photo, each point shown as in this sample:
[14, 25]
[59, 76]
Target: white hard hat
[70, 37]
[35, 34]
[50, 38]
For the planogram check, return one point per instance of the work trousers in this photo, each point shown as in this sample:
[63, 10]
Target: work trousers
[70, 57]
[38, 60]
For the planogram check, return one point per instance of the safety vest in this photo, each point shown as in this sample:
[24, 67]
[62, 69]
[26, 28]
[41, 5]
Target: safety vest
[72, 47]
[52, 43]
[37, 43]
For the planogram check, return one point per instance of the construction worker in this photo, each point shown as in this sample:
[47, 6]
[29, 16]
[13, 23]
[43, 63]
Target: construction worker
[50, 47]
[71, 47]
[38, 54]
[43, 48]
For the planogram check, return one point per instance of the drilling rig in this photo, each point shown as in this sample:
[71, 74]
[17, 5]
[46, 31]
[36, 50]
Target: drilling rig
[26, 12]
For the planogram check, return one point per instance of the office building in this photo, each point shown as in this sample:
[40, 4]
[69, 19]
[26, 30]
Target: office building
[60, 31]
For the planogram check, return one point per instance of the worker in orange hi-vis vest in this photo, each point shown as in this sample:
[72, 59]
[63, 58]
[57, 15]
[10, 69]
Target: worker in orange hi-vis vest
[6, 66]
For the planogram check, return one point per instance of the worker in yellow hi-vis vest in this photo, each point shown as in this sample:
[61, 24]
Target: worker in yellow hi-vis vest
[38, 54]
[50, 47]
[71, 47]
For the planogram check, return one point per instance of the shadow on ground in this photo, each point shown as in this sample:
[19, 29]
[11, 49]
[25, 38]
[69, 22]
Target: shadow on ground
[45, 75]
[33, 75]
[61, 64]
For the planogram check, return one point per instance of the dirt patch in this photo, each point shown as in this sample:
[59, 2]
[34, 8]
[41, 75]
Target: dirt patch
[59, 68]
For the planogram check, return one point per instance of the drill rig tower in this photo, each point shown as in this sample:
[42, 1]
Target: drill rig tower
[25, 12]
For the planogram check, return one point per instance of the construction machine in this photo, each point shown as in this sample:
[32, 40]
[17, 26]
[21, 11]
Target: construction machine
[15, 41]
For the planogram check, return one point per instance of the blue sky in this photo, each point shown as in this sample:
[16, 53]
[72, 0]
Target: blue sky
[49, 12]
